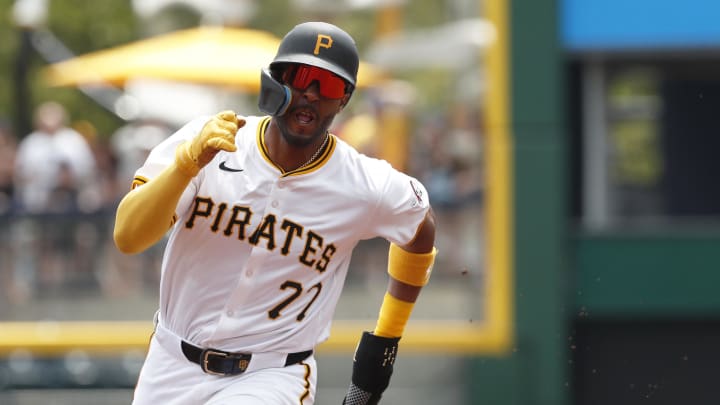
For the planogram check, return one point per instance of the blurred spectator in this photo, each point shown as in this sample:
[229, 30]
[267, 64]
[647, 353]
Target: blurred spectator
[101, 195]
[449, 160]
[131, 144]
[44, 154]
[8, 148]
[55, 180]
[451, 165]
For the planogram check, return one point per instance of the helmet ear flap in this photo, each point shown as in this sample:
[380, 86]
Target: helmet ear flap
[274, 97]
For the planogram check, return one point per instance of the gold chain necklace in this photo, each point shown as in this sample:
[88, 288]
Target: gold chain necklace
[317, 152]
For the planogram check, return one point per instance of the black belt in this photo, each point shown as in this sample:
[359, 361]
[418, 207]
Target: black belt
[219, 362]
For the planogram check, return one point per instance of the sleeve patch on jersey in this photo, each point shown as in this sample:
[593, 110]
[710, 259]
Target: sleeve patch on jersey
[417, 190]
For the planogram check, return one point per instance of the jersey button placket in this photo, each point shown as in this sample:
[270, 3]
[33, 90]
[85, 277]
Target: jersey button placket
[279, 185]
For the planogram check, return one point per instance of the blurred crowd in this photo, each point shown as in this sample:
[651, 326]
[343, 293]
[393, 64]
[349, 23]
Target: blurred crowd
[60, 185]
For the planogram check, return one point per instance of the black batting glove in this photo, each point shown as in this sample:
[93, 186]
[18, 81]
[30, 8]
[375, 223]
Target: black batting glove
[372, 368]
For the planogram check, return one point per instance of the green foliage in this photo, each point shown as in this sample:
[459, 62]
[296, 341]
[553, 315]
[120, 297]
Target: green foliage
[87, 26]
[275, 16]
[82, 26]
[423, 13]
[361, 25]
[8, 45]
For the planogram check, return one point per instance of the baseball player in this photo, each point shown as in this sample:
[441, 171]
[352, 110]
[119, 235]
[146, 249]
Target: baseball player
[264, 213]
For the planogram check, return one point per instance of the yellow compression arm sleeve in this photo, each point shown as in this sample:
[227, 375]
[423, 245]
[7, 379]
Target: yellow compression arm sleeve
[146, 213]
[394, 314]
[410, 268]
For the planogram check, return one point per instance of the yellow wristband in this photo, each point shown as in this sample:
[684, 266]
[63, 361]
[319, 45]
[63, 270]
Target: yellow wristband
[410, 268]
[394, 314]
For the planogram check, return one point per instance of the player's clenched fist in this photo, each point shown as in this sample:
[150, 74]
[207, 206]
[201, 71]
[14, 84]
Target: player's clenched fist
[217, 134]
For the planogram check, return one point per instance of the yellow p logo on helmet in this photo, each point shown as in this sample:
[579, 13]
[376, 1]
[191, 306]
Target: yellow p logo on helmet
[323, 41]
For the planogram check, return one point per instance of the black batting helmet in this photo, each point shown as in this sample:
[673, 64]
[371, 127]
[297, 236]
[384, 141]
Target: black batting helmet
[323, 45]
[311, 43]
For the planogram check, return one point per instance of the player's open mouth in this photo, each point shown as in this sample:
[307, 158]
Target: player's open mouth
[304, 117]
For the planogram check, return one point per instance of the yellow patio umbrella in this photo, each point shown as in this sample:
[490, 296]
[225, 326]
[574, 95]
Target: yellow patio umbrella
[209, 55]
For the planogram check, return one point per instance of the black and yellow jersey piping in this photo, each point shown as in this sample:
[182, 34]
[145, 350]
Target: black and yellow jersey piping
[318, 163]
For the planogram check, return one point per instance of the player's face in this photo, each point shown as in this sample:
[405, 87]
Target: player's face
[317, 96]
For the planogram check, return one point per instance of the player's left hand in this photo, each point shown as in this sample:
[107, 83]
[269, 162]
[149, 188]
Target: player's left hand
[372, 369]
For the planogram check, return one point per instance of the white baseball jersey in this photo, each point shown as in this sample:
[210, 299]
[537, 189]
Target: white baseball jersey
[257, 258]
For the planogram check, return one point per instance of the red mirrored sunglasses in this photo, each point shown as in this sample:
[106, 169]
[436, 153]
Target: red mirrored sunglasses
[302, 76]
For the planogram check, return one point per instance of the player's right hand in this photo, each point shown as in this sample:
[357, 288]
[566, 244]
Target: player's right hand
[217, 134]
[372, 369]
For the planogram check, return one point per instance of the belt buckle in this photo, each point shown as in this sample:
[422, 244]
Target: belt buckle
[205, 359]
[242, 360]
